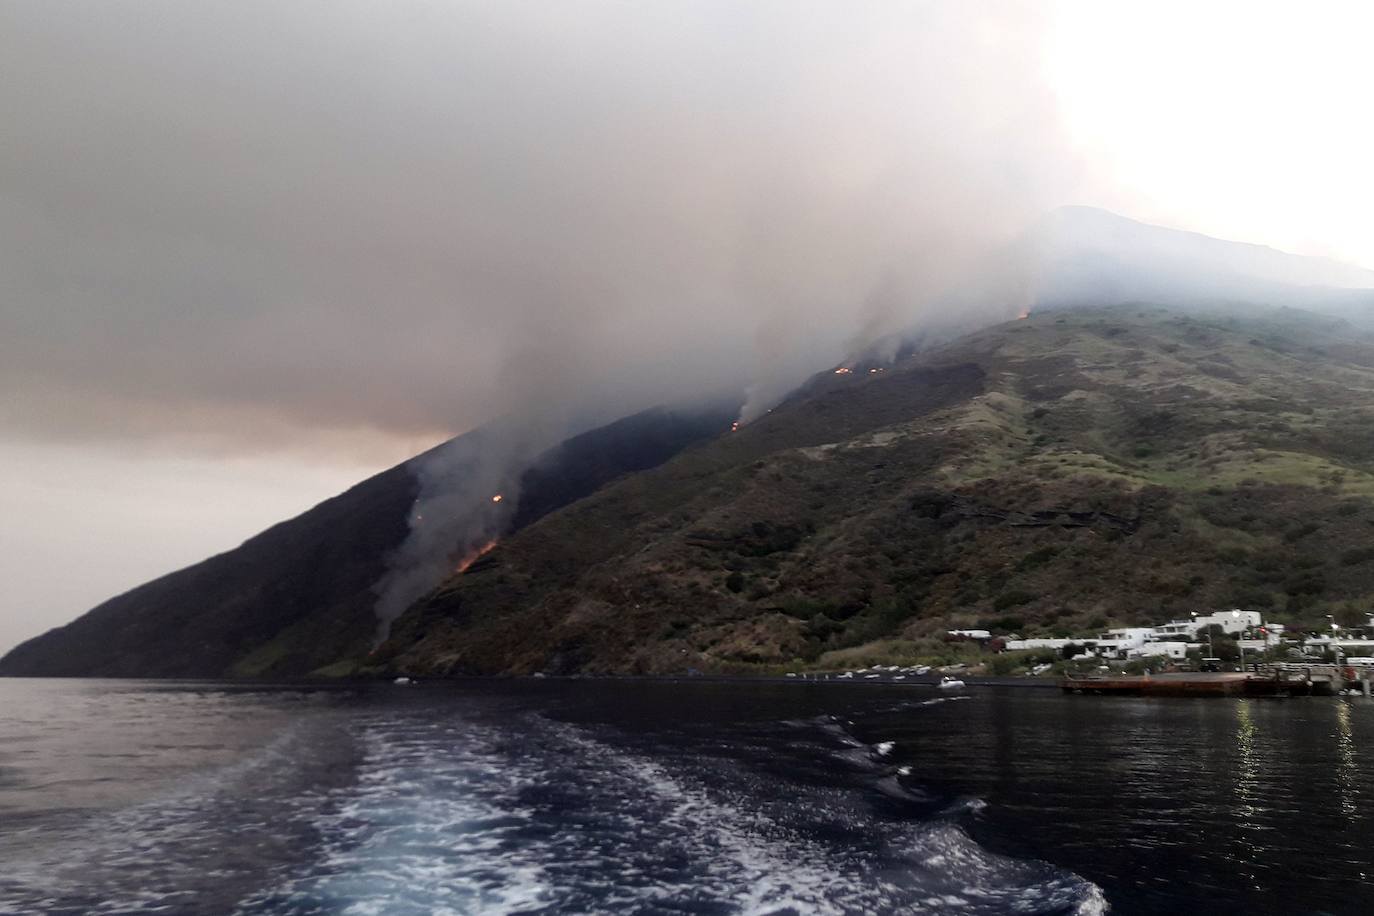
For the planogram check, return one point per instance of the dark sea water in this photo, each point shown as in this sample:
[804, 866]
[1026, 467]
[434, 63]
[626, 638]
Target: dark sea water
[580, 796]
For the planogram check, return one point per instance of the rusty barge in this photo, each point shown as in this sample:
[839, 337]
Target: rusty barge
[1266, 681]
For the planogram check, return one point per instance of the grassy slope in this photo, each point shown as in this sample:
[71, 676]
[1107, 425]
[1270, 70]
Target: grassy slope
[1048, 476]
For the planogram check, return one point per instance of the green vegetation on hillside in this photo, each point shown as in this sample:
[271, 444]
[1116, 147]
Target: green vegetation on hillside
[1077, 469]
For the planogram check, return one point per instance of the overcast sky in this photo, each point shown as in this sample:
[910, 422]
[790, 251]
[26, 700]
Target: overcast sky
[252, 252]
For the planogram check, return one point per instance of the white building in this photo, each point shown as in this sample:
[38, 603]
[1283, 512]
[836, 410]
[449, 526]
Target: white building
[1171, 640]
[1137, 642]
[1018, 645]
[1174, 650]
[970, 634]
[1353, 644]
[1232, 622]
[1126, 638]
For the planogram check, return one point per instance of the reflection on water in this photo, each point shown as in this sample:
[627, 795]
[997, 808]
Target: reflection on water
[1247, 763]
[1247, 789]
[584, 796]
[1346, 773]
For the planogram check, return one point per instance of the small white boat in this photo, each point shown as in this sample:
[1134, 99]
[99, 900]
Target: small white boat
[949, 683]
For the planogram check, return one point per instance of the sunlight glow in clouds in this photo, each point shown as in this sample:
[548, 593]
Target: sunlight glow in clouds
[1244, 120]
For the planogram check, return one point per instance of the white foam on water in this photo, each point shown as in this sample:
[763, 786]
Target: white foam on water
[743, 859]
[934, 701]
[172, 853]
[543, 817]
[427, 814]
[965, 805]
[426, 829]
[966, 878]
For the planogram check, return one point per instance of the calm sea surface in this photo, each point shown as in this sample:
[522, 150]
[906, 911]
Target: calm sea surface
[586, 796]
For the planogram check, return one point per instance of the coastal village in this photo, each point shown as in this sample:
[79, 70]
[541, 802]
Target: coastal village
[1229, 652]
[1223, 653]
[1219, 637]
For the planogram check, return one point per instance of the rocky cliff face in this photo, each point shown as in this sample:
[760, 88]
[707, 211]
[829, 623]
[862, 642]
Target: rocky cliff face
[1043, 476]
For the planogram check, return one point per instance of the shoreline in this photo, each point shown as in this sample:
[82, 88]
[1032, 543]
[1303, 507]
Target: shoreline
[910, 681]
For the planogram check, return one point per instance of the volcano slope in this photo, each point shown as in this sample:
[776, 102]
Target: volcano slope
[1052, 475]
[298, 598]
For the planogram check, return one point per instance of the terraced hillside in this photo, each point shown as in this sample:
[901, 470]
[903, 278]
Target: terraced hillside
[1044, 476]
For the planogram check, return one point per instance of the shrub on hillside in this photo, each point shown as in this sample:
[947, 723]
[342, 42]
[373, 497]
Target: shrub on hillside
[1357, 555]
[1293, 535]
[1037, 558]
[1013, 598]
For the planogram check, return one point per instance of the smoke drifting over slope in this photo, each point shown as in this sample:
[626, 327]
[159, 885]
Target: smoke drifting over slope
[415, 217]
[475, 489]
[469, 490]
[253, 223]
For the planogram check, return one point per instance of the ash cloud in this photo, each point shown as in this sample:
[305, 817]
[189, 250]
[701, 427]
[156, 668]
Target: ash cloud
[232, 220]
[410, 218]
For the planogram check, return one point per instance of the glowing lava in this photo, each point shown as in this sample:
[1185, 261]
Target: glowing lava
[1024, 313]
[475, 555]
[734, 427]
[497, 498]
[843, 370]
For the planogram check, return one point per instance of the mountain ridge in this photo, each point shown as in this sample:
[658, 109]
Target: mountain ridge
[1059, 473]
[304, 603]
[300, 595]
[1087, 256]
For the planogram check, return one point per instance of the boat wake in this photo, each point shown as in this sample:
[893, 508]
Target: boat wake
[539, 816]
[196, 848]
[428, 809]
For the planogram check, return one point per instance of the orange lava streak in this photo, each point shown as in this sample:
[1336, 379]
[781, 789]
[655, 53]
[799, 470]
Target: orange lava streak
[1024, 313]
[474, 556]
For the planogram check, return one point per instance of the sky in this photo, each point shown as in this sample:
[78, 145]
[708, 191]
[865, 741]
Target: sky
[251, 252]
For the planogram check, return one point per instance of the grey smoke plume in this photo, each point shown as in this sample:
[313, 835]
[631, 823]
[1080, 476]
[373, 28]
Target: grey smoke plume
[469, 489]
[253, 222]
[244, 223]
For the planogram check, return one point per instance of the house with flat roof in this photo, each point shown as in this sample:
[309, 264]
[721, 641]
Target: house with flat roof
[1233, 622]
